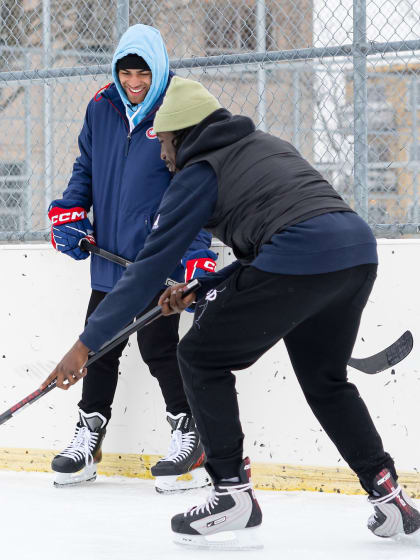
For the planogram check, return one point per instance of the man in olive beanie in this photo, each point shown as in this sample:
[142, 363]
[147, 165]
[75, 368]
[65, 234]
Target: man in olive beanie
[306, 264]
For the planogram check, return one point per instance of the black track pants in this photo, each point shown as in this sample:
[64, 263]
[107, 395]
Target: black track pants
[318, 317]
[157, 344]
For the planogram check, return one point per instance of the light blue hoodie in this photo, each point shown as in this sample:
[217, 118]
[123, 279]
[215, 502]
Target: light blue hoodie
[147, 42]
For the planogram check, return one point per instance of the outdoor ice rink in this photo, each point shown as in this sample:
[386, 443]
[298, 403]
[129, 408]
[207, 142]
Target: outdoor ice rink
[125, 519]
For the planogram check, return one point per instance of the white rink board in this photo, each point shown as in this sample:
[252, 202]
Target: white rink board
[43, 299]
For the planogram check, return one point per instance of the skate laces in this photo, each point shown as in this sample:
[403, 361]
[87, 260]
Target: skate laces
[385, 499]
[180, 446]
[213, 498]
[81, 446]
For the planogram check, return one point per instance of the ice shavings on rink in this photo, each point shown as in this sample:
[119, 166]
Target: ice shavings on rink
[125, 519]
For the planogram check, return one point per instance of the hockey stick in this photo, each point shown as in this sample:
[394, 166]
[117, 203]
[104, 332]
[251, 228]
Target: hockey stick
[140, 323]
[387, 358]
[85, 245]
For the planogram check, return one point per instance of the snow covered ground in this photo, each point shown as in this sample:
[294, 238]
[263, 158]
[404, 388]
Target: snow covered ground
[125, 519]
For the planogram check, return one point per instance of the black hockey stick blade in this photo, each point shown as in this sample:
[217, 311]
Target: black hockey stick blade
[140, 323]
[387, 358]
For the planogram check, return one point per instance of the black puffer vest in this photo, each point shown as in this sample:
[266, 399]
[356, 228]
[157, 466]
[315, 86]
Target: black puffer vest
[264, 184]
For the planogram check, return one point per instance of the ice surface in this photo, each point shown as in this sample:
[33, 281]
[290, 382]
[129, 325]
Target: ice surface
[125, 519]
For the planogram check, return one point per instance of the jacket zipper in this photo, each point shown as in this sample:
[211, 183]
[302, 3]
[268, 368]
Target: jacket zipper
[127, 145]
[119, 185]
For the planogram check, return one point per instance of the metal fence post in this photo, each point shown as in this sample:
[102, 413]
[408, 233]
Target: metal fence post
[414, 154]
[123, 14]
[261, 75]
[296, 108]
[28, 151]
[360, 109]
[46, 59]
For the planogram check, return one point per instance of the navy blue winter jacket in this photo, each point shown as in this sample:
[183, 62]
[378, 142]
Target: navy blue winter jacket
[123, 178]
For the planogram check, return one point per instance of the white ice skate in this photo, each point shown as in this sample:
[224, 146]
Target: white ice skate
[77, 463]
[228, 520]
[395, 514]
[182, 468]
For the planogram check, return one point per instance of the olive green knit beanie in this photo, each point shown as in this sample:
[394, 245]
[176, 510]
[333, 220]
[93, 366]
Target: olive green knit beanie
[185, 104]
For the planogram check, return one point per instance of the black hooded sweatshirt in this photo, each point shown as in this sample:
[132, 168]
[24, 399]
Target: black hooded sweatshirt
[259, 196]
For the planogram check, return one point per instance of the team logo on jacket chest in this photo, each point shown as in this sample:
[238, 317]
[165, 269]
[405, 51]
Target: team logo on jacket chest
[150, 133]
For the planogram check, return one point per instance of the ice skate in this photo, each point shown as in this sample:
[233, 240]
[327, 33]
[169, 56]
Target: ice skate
[77, 463]
[182, 469]
[395, 513]
[228, 520]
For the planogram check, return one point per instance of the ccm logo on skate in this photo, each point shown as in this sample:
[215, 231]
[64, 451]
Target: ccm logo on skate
[150, 133]
[65, 217]
[216, 521]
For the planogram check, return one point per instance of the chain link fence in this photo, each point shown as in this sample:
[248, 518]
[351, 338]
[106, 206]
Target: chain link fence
[340, 79]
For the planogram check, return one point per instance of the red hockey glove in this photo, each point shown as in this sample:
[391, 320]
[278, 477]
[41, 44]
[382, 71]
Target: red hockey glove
[196, 267]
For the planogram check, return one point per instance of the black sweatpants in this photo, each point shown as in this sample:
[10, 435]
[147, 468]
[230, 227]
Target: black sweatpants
[318, 317]
[157, 344]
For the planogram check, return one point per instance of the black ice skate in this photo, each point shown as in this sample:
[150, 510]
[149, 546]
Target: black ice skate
[182, 469]
[231, 510]
[395, 514]
[77, 463]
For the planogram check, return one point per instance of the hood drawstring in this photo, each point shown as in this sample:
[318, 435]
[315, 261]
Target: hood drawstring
[132, 117]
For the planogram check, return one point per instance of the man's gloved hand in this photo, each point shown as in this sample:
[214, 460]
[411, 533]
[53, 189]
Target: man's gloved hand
[69, 224]
[199, 263]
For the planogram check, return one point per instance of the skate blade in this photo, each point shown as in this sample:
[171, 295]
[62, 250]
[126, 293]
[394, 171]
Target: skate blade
[240, 539]
[62, 480]
[197, 478]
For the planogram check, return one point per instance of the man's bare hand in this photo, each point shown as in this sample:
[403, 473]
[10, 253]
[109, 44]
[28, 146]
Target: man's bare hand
[172, 302]
[70, 369]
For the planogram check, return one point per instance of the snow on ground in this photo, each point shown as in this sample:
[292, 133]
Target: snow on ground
[125, 519]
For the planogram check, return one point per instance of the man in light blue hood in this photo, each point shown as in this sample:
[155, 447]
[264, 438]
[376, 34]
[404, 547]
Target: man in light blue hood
[120, 177]
[140, 59]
